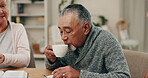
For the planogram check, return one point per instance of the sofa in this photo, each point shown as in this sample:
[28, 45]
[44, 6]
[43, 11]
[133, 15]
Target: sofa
[137, 62]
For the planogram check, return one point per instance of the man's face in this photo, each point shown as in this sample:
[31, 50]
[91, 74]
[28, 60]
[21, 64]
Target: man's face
[3, 11]
[71, 31]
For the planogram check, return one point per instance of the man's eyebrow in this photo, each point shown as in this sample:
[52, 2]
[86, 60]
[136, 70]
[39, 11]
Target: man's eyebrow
[65, 27]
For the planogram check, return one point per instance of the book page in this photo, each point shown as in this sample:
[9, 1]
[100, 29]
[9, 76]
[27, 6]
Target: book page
[15, 74]
[1, 73]
[50, 76]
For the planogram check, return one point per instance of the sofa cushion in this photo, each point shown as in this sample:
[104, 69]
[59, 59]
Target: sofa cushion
[137, 62]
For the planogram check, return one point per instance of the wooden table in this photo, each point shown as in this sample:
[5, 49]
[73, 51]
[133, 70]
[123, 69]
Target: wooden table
[33, 72]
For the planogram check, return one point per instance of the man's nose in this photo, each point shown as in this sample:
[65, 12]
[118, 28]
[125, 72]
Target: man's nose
[64, 37]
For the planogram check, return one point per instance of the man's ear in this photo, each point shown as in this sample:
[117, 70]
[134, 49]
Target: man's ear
[86, 28]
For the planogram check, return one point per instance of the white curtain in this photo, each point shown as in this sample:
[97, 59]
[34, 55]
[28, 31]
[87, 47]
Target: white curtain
[134, 11]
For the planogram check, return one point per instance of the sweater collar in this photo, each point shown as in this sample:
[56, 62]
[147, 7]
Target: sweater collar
[88, 43]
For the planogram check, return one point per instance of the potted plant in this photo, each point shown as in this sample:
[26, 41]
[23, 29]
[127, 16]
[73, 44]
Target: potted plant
[103, 21]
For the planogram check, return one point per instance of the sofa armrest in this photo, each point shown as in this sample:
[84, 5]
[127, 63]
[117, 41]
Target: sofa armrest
[137, 62]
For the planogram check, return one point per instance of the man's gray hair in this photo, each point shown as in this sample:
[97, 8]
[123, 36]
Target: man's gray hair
[81, 12]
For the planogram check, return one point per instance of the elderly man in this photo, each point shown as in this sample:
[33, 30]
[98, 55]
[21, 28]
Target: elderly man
[97, 55]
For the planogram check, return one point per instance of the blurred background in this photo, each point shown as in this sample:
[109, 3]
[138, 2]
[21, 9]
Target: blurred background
[126, 19]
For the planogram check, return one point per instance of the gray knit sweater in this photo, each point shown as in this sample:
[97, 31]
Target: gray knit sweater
[101, 56]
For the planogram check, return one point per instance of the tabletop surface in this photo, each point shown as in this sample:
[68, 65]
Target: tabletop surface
[33, 72]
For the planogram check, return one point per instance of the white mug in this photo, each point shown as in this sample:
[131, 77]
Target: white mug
[60, 50]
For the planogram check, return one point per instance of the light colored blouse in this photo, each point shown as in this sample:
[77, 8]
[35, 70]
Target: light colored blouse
[5, 43]
[19, 56]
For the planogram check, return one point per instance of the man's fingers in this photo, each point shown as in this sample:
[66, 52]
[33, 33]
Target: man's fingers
[61, 69]
[58, 75]
[49, 53]
[49, 47]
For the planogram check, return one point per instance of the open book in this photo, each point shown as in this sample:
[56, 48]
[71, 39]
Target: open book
[13, 74]
[49, 76]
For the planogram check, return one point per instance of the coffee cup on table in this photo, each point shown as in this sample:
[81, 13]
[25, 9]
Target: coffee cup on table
[60, 50]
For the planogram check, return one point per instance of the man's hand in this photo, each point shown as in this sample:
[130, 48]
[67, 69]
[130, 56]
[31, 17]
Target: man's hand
[66, 72]
[49, 53]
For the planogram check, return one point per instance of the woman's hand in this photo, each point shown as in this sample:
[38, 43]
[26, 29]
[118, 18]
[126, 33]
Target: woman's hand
[1, 58]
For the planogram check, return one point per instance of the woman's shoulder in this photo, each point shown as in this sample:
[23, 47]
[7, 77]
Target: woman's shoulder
[16, 25]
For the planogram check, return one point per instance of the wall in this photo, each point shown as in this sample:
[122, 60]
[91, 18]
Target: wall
[146, 29]
[109, 8]
[134, 11]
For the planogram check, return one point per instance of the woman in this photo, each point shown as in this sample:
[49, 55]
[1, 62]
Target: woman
[14, 45]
